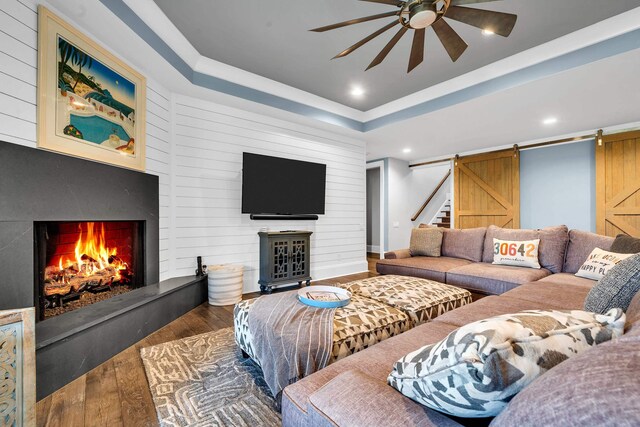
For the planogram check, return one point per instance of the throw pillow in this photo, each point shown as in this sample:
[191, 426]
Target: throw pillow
[425, 242]
[617, 288]
[551, 252]
[624, 244]
[599, 263]
[523, 253]
[478, 368]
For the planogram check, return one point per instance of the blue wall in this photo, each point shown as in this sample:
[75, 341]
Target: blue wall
[557, 186]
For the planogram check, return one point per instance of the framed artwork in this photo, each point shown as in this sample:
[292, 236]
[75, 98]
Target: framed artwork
[90, 104]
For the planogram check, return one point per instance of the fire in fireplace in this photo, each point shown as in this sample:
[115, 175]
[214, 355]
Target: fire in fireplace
[81, 263]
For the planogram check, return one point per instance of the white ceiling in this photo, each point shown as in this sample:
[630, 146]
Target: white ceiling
[601, 94]
[271, 39]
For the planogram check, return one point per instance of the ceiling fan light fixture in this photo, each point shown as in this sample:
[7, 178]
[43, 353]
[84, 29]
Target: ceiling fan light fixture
[422, 15]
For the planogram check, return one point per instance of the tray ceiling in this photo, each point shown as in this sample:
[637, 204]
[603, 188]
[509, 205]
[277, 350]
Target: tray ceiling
[271, 39]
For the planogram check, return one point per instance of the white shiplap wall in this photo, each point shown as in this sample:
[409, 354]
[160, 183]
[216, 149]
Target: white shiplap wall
[18, 75]
[195, 148]
[209, 140]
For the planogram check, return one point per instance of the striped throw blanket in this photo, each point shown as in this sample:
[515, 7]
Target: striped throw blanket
[290, 339]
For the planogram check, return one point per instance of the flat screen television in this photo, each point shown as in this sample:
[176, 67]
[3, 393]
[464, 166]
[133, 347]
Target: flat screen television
[278, 186]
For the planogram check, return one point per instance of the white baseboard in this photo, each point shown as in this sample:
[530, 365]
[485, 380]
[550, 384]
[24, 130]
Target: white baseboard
[339, 270]
[374, 249]
[320, 273]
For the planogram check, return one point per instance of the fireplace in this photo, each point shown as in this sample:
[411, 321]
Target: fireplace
[80, 263]
[46, 202]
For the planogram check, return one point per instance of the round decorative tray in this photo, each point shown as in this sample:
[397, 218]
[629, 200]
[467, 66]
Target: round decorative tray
[324, 296]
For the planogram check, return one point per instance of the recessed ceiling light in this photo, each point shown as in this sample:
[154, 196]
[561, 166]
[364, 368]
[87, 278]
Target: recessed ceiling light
[487, 32]
[357, 91]
[406, 150]
[550, 121]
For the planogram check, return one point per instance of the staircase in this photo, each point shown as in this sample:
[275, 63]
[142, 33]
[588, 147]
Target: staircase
[443, 218]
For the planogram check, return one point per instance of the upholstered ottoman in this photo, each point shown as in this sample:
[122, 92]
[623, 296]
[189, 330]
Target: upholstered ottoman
[380, 307]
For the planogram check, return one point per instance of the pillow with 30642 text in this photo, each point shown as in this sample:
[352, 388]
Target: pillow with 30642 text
[477, 369]
[522, 253]
[599, 263]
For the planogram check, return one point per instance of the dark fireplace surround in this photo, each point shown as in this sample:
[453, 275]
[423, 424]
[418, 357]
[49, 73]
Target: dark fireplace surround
[40, 187]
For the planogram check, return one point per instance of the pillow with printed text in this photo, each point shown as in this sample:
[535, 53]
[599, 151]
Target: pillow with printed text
[523, 253]
[599, 263]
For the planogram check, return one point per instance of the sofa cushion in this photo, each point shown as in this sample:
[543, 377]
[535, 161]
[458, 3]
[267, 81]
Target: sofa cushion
[616, 288]
[624, 244]
[569, 279]
[488, 307]
[426, 242]
[553, 243]
[519, 253]
[598, 387]
[376, 361]
[465, 244]
[581, 243]
[354, 398]
[477, 369]
[493, 279]
[424, 267]
[560, 296]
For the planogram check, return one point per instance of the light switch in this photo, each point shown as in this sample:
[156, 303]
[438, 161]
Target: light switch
[396, 224]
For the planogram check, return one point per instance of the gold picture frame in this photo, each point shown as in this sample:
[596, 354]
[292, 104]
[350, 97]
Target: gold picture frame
[90, 103]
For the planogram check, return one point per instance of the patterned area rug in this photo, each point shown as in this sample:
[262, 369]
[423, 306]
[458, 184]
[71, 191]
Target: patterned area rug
[204, 381]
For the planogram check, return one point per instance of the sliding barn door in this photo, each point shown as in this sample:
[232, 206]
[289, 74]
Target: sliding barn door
[618, 184]
[487, 190]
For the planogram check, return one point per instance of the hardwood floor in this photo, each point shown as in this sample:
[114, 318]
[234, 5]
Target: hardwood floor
[116, 393]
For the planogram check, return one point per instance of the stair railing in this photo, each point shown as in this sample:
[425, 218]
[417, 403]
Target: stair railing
[433, 194]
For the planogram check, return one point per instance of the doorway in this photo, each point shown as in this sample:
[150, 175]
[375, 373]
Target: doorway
[375, 209]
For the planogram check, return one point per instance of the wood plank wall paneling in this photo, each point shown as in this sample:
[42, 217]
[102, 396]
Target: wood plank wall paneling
[208, 144]
[195, 148]
[18, 62]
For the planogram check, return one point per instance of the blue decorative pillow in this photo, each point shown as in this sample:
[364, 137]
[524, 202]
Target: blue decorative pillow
[616, 288]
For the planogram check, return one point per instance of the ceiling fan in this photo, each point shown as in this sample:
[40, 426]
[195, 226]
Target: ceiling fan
[417, 15]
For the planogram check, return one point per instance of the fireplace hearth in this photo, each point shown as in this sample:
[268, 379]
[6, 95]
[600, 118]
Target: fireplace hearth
[81, 263]
[47, 201]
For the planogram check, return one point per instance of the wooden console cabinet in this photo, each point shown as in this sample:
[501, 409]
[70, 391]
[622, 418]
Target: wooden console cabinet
[284, 258]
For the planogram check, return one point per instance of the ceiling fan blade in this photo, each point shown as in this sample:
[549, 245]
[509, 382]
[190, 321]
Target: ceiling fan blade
[452, 42]
[385, 51]
[391, 2]
[355, 21]
[497, 22]
[417, 50]
[370, 37]
[461, 2]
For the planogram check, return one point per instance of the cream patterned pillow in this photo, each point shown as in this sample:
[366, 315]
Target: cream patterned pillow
[478, 368]
[599, 263]
[523, 253]
[425, 241]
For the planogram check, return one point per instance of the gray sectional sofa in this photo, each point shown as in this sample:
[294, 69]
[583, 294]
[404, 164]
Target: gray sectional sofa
[467, 256]
[598, 387]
